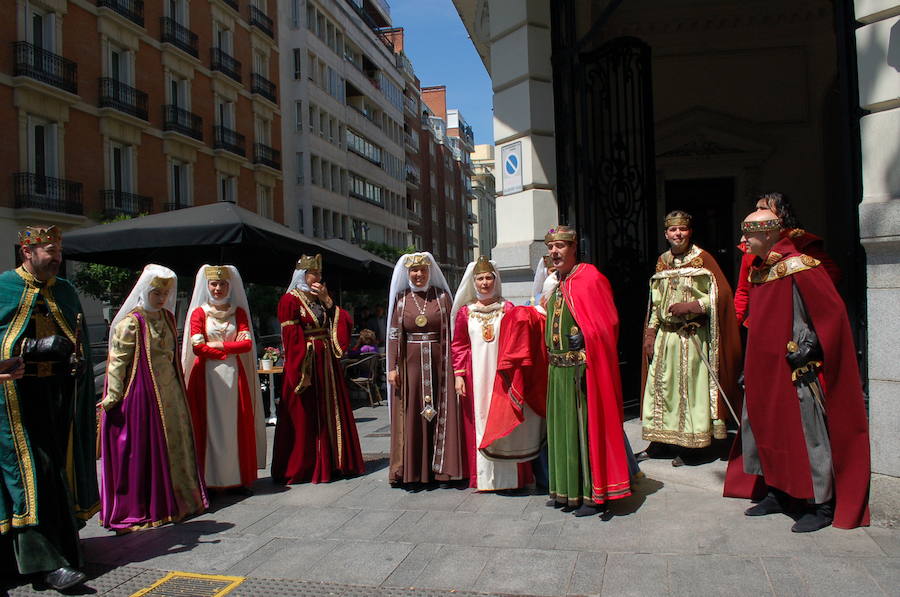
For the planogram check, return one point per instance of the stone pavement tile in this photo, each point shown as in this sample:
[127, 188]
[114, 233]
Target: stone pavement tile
[284, 558]
[838, 576]
[356, 497]
[318, 494]
[503, 504]
[887, 539]
[186, 552]
[435, 499]
[412, 566]
[359, 562]
[635, 575]
[528, 571]
[784, 578]
[240, 515]
[846, 542]
[379, 495]
[303, 523]
[587, 578]
[453, 567]
[592, 533]
[464, 528]
[753, 536]
[886, 572]
[717, 575]
[402, 526]
[367, 524]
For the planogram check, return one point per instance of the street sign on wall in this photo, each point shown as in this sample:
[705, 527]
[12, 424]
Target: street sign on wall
[511, 167]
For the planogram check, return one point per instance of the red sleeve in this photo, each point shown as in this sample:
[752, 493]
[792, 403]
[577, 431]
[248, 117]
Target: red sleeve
[198, 326]
[293, 340]
[240, 346]
[742, 291]
[344, 328]
[461, 346]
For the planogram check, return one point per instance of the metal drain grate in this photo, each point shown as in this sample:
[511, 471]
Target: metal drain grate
[186, 584]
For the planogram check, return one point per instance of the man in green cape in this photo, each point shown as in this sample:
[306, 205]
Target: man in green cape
[47, 417]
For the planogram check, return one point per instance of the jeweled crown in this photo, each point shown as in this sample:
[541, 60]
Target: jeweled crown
[39, 235]
[761, 225]
[483, 265]
[565, 233]
[159, 283]
[420, 260]
[217, 272]
[308, 262]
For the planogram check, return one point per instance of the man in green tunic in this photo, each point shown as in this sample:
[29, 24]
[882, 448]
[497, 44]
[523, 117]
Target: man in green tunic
[690, 341]
[47, 417]
[586, 447]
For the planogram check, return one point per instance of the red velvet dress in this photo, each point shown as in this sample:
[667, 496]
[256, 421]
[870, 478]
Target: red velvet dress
[212, 443]
[315, 437]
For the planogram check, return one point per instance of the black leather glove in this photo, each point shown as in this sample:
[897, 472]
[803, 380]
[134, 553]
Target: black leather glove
[809, 351]
[576, 341]
[43, 350]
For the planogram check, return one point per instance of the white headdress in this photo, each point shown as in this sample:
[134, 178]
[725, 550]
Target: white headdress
[152, 277]
[544, 283]
[238, 299]
[400, 282]
[467, 294]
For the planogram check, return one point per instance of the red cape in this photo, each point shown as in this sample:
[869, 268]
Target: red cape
[772, 404]
[521, 374]
[589, 297]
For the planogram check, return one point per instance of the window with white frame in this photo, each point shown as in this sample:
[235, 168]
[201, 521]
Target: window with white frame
[41, 28]
[119, 61]
[298, 115]
[263, 129]
[265, 205]
[178, 91]
[121, 167]
[179, 183]
[224, 38]
[300, 167]
[261, 63]
[298, 64]
[43, 157]
[227, 188]
[224, 113]
[177, 10]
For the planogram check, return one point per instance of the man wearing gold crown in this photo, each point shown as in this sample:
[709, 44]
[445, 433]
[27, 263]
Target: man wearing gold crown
[804, 441]
[588, 461]
[47, 417]
[692, 345]
[315, 436]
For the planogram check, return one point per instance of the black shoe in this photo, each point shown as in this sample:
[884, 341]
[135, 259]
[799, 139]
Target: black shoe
[552, 503]
[589, 510]
[813, 520]
[642, 456]
[768, 505]
[677, 461]
[64, 578]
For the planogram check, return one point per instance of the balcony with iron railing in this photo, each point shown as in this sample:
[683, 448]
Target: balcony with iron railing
[229, 140]
[411, 104]
[124, 98]
[36, 191]
[117, 203]
[178, 35]
[133, 10]
[261, 85]
[414, 217]
[181, 121]
[266, 156]
[261, 21]
[413, 175]
[225, 63]
[412, 141]
[44, 66]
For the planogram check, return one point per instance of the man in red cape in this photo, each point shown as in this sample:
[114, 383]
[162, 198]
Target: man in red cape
[588, 461]
[804, 432]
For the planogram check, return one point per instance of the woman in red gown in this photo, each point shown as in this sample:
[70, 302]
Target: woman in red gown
[315, 436]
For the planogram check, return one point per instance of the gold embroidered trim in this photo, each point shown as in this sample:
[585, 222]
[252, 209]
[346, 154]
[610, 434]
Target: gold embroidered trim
[677, 438]
[782, 269]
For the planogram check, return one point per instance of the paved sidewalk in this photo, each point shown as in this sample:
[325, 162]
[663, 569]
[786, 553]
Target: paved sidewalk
[676, 536]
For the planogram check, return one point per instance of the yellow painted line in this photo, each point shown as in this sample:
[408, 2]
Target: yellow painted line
[228, 584]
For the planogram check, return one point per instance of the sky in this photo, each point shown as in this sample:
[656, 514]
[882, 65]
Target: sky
[438, 45]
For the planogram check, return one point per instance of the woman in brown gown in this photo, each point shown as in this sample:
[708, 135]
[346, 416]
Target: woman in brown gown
[426, 422]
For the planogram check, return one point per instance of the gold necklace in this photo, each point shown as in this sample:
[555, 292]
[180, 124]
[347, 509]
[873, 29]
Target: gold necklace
[421, 320]
[487, 322]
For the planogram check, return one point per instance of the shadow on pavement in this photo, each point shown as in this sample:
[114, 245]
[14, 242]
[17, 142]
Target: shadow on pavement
[641, 488]
[146, 545]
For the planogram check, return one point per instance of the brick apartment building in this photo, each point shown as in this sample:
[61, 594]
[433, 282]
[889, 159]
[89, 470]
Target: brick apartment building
[116, 107]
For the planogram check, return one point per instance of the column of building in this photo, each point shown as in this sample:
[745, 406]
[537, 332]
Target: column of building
[121, 107]
[877, 46]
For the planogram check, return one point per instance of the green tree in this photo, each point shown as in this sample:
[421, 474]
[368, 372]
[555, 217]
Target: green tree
[386, 252]
[106, 283]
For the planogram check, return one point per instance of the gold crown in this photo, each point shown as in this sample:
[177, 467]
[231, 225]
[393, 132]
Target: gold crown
[679, 220]
[39, 235]
[158, 283]
[310, 263]
[761, 226]
[217, 272]
[483, 265]
[565, 233]
[417, 261]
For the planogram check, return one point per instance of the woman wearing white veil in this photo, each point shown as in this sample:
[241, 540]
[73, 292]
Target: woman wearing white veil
[149, 470]
[219, 357]
[426, 427]
[480, 315]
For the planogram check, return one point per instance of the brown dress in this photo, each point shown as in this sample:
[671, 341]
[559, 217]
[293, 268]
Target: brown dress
[423, 450]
